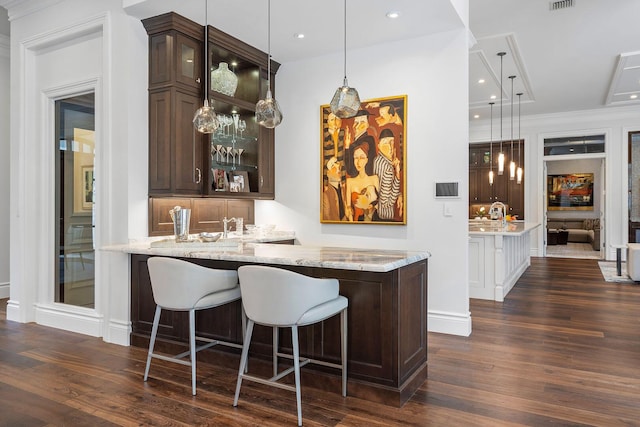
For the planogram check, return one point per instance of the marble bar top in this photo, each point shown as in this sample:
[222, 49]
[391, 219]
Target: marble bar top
[356, 259]
[493, 228]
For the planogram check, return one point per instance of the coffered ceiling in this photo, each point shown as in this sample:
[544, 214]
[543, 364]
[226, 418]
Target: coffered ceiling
[581, 57]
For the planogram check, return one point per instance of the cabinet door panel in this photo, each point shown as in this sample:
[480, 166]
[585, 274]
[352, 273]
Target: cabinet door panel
[241, 209]
[207, 215]
[160, 134]
[160, 59]
[188, 61]
[160, 223]
[188, 146]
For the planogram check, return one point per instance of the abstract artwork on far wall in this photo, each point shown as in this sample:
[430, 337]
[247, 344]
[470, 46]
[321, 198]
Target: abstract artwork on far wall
[363, 164]
[570, 192]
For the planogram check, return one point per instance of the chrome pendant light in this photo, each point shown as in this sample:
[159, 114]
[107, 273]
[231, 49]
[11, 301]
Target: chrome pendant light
[268, 113]
[501, 155]
[512, 163]
[205, 119]
[346, 101]
[519, 172]
[491, 146]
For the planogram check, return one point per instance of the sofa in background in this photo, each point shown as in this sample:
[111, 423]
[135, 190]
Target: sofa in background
[581, 230]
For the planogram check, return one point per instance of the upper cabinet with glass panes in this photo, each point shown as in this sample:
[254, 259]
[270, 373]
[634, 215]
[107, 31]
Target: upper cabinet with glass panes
[237, 76]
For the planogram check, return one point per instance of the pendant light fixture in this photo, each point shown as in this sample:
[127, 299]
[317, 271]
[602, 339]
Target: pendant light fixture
[205, 119]
[491, 146]
[512, 163]
[268, 113]
[519, 172]
[346, 101]
[501, 155]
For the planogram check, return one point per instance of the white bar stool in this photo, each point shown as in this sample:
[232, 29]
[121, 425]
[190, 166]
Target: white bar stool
[281, 298]
[183, 286]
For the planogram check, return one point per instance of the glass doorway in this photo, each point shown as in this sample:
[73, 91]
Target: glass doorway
[74, 198]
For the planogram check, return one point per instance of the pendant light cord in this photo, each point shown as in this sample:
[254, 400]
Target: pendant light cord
[501, 55]
[269, 46]
[345, 39]
[206, 47]
[512, 79]
[519, 141]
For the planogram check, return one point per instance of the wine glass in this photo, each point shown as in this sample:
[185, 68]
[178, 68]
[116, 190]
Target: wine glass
[242, 126]
[240, 151]
[236, 122]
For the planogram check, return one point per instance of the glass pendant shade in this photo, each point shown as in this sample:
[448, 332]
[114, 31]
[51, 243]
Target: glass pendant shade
[205, 119]
[491, 177]
[519, 175]
[224, 80]
[345, 102]
[268, 112]
[512, 170]
[500, 163]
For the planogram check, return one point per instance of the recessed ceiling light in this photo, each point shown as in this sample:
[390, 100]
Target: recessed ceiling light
[477, 116]
[481, 81]
[393, 14]
[298, 36]
[493, 97]
[634, 96]
[234, 64]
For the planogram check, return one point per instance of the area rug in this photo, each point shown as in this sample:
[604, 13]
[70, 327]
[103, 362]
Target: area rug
[610, 274]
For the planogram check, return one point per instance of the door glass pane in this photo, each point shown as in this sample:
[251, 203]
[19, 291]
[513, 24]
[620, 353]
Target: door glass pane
[75, 187]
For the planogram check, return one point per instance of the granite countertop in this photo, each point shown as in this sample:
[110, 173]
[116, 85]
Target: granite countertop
[247, 249]
[492, 228]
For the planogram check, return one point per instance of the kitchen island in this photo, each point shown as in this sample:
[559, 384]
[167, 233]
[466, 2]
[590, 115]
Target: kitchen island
[498, 255]
[387, 326]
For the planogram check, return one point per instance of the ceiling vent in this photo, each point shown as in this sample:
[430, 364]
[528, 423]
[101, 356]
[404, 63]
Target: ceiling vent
[561, 4]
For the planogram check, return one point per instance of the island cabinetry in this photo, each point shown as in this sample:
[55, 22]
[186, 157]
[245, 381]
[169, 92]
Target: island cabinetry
[387, 326]
[206, 213]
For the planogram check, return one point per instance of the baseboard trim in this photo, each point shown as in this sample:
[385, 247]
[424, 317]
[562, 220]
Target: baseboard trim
[118, 332]
[449, 323]
[73, 319]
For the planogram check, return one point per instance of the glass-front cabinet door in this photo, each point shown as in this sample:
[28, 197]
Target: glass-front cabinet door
[240, 151]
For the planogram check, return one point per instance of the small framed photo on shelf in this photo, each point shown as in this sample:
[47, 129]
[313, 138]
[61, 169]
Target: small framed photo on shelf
[239, 182]
[220, 180]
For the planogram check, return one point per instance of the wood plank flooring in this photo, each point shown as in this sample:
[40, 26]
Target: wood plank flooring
[563, 349]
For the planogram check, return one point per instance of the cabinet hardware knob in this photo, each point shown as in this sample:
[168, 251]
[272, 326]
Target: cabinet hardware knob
[198, 80]
[261, 181]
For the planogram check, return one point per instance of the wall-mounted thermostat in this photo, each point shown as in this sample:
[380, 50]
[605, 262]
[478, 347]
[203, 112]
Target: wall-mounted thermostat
[446, 190]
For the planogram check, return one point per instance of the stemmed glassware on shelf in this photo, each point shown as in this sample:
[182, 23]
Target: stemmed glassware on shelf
[242, 126]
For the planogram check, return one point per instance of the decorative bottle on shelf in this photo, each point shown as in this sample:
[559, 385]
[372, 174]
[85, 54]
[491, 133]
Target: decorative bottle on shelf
[223, 80]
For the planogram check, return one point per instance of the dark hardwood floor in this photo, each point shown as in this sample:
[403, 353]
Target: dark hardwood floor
[563, 349]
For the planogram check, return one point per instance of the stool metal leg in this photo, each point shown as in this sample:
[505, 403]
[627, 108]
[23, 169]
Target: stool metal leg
[343, 333]
[276, 344]
[192, 345]
[296, 367]
[152, 342]
[243, 359]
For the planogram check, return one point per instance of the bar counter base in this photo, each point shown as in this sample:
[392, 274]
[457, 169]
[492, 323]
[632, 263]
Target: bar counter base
[387, 329]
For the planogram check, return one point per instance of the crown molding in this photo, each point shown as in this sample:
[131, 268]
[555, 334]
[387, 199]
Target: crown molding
[20, 8]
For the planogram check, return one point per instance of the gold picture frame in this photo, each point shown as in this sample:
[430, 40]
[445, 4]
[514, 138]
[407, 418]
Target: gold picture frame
[363, 164]
[87, 187]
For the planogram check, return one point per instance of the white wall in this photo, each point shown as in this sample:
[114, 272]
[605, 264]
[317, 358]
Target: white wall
[4, 162]
[53, 51]
[614, 123]
[432, 72]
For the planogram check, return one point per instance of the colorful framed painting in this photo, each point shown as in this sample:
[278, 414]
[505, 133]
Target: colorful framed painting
[363, 164]
[570, 192]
